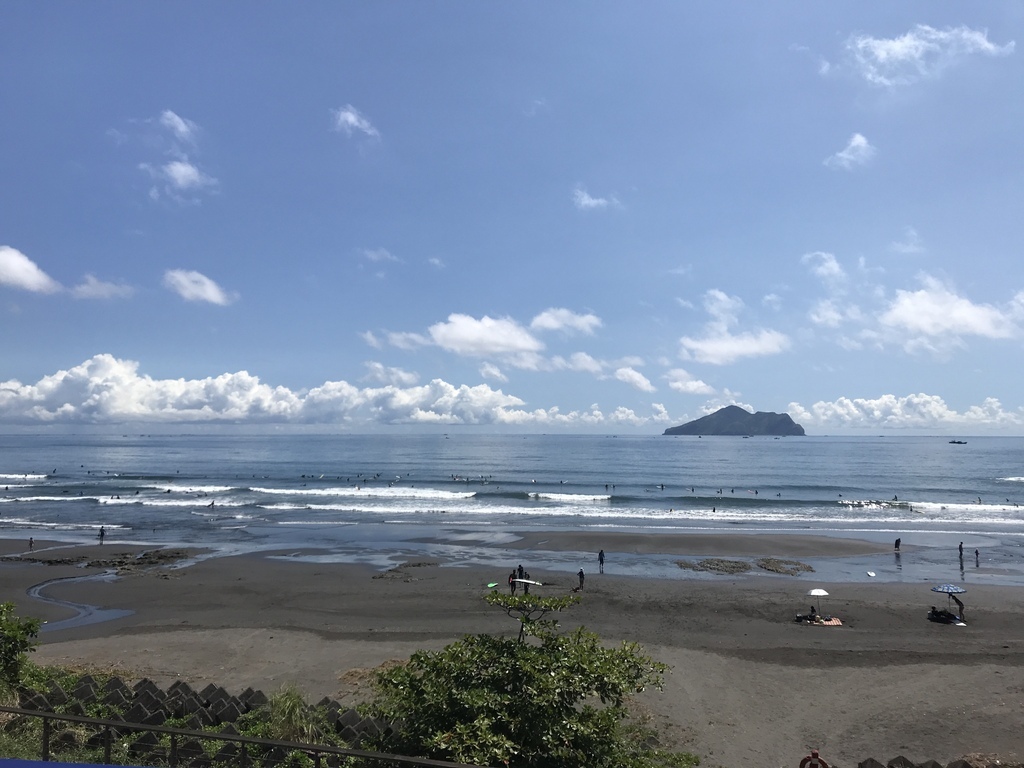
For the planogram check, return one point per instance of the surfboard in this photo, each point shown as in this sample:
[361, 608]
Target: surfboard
[527, 581]
[492, 585]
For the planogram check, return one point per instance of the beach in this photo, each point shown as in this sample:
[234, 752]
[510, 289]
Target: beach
[748, 685]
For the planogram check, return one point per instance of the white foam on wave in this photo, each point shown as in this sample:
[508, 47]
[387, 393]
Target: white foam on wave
[62, 497]
[195, 488]
[393, 492]
[571, 498]
[1010, 479]
[25, 476]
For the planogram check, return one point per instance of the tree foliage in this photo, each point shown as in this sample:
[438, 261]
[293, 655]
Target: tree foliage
[531, 610]
[17, 640]
[557, 703]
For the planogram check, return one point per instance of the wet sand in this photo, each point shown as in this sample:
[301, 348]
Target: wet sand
[748, 685]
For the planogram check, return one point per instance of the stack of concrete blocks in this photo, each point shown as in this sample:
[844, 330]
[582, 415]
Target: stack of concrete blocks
[211, 709]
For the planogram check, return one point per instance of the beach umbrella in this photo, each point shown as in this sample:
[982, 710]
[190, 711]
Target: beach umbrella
[818, 593]
[949, 590]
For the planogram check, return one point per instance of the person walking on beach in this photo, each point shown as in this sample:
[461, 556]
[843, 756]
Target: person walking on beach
[961, 550]
[103, 534]
[512, 583]
[32, 544]
[520, 571]
[580, 574]
[600, 561]
[526, 582]
[898, 544]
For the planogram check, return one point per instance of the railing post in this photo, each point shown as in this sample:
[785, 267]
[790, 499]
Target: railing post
[172, 759]
[108, 737]
[46, 740]
[243, 757]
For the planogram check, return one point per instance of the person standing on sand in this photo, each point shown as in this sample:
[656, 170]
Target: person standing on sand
[32, 544]
[103, 534]
[512, 583]
[961, 550]
[581, 575]
[897, 546]
[600, 561]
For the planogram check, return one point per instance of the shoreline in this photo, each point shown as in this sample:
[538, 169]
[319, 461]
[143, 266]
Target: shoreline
[887, 682]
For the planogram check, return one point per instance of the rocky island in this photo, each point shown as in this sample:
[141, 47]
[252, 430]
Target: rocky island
[735, 421]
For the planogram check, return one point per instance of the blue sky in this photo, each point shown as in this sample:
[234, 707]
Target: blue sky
[579, 217]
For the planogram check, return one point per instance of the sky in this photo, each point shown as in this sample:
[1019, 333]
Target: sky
[599, 217]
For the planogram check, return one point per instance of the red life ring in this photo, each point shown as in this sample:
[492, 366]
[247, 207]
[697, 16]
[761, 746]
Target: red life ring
[813, 761]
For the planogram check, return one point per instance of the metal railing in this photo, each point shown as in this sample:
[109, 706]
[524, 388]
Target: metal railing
[318, 753]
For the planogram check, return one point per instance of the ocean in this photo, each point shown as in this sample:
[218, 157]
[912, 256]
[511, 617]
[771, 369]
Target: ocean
[383, 499]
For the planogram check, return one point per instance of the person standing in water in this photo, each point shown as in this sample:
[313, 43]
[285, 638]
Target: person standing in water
[600, 561]
[103, 534]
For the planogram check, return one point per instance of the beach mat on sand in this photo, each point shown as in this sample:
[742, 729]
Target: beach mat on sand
[833, 622]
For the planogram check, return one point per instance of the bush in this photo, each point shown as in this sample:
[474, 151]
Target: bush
[17, 636]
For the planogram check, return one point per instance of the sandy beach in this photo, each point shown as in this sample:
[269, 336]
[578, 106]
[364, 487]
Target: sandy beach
[748, 685]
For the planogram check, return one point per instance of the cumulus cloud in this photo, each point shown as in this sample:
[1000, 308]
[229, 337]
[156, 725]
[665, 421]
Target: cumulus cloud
[635, 379]
[559, 319]
[917, 411]
[585, 202]
[719, 345]
[857, 152]
[19, 271]
[195, 286]
[106, 390]
[921, 53]
[350, 120]
[486, 337]
[682, 381]
[435, 262]
[936, 312]
[92, 288]
[825, 267]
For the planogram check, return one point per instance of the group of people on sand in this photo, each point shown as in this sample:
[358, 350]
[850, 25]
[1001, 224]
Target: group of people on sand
[521, 576]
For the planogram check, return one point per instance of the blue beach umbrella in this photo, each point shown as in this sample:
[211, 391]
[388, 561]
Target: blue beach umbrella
[949, 590]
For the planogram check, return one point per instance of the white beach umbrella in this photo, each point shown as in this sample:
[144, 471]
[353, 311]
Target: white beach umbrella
[819, 593]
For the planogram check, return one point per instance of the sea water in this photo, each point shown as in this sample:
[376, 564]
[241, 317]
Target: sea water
[381, 498]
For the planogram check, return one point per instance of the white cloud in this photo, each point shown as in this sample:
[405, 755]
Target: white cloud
[918, 411]
[435, 262]
[857, 152]
[378, 255]
[371, 339]
[175, 175]
[486, 337]
[826, 313]
[936, 311]
[635, 379]
[182, 128]
[491, 371]
[584, 202]
[682, 381]
[183, 175]
[106, 390]
[772, 301]
[719, 345]
[91, 288]
[195, 286]
[825, 267]
[407, 341]
[348, 120]
[578, 361]
[384, 375]
[921, 53]
[558, 319]
[911, 242]
[19, 271]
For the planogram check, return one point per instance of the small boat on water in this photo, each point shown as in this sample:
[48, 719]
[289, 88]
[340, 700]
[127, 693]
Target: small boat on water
[958, 442]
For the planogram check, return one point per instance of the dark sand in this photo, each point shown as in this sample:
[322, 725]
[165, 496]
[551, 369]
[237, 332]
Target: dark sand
[748, 685]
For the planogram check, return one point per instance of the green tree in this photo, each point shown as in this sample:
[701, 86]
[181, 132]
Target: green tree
[17, 639]
[560, 702]
[531, 611]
